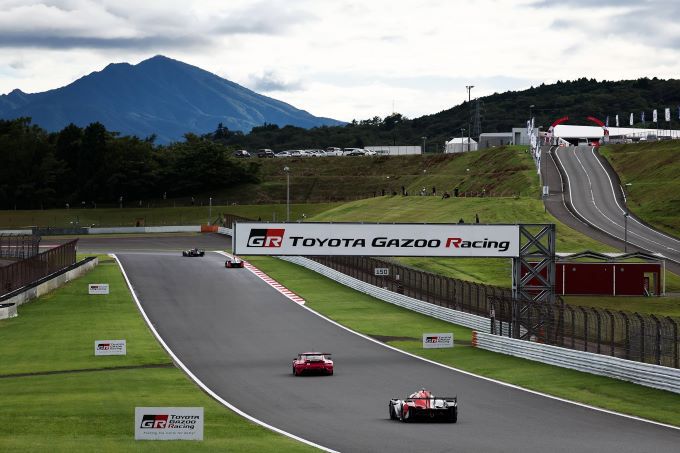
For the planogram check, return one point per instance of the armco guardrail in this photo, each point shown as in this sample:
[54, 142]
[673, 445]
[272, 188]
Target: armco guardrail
[656, 376]
[445, 314]
[646, 374]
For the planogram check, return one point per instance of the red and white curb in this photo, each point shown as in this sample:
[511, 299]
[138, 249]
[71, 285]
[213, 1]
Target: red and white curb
[270, 281]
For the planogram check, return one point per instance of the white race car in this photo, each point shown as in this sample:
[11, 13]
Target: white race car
[422, 405]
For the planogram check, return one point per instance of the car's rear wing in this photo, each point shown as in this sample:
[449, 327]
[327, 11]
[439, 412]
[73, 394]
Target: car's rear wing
[447, 398]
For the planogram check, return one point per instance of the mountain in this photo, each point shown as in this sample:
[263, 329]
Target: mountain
[158, 96]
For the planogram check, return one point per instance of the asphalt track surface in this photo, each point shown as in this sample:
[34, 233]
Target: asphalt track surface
[597, 198]
[239, 336]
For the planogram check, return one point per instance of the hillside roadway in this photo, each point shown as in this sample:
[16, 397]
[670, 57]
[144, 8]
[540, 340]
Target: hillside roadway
[596, 203]
[238, 336]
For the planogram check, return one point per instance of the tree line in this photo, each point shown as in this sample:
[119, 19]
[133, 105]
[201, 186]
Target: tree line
[92, 165]
[499, 112]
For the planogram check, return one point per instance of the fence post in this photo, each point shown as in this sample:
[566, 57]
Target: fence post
[642, 336]
[611, 332]
[657, 346]
[585, 329]
[676, 353]
[599, 329]
[627, 333]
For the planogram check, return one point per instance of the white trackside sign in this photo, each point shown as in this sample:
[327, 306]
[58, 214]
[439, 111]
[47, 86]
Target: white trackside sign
[110, 347]
[300, 239]
[169, 423]
[98, 288]
[437, 340]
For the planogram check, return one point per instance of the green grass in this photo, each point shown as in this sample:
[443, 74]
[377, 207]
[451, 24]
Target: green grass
[94, 410]
[499, 171]
[379, 319]
[653, 171]
[659, 306]
[489, 271]
[181, 215]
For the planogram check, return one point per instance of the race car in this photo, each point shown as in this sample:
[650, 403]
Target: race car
[313, 363]
[233, 262]
[422, 405]
[193, 252]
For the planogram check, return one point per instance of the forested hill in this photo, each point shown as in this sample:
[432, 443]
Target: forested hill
[500, 112]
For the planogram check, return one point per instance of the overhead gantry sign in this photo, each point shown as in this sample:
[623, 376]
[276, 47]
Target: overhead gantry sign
[333, 239]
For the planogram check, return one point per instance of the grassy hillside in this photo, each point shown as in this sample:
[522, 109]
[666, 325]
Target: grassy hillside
[653, 172]
[504, 171]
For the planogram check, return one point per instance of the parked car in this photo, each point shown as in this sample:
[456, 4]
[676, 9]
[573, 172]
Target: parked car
[241, 153]
[295, 153]
[332, 151]
[265, 153]
[422, 405]
[282, 154]
[353, 152]
[313, 362]
[368, 152]
[319, 153]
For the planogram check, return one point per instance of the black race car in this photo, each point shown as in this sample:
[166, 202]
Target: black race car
[193, 252]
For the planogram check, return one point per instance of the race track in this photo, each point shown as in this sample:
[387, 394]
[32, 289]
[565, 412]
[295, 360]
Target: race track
[595, 197]
[238, 336]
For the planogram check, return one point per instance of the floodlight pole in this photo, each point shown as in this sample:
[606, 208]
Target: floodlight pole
[469, 88]
[287, 170]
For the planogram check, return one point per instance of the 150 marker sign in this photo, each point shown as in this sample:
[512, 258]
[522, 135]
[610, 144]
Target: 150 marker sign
[454, 240]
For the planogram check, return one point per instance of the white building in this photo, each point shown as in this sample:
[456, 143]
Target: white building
[460, 145]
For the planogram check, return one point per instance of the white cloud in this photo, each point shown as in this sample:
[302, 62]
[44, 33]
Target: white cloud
[348, 58]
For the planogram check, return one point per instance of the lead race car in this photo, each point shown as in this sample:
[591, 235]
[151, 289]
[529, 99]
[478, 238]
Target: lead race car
[422, 405]
[313, 363]
[193, 252]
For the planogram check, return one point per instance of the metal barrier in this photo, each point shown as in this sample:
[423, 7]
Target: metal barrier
[24, 272]
[433, 288]
[640, 373]
[19, 246]
[632, 336]
[660, 377]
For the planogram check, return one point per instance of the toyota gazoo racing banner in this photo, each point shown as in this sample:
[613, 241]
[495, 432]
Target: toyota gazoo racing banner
[300, 239]
[110, 347]
[437, 340]
[169, 423]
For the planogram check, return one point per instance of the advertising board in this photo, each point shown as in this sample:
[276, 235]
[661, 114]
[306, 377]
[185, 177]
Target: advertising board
[98, 288]
[309, 239]
[169, 423]
[110, 347]
[437, 340]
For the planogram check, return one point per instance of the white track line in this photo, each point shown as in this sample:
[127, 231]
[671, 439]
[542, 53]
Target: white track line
[194, 378]
[623, 211]
[571, 201]
[505, 384]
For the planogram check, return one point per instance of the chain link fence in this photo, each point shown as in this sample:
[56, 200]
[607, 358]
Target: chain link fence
[18, 246]
[633, 336]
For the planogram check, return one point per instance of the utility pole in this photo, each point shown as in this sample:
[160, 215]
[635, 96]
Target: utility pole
[424, 138]
[469, 88]
[287, 170]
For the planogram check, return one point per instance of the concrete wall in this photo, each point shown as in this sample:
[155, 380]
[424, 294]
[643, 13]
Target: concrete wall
[155, 229]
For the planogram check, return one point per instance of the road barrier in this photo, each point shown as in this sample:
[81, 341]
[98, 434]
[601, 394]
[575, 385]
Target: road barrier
[650, 375]
[646, 374]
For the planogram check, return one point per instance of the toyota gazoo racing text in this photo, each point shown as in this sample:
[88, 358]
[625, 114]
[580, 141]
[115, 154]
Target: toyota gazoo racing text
[424, 406]
[313, 363]
[273, 237]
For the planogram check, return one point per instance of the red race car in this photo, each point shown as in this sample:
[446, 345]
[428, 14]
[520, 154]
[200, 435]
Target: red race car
[422, 405]
[233, 262]
[313, 363]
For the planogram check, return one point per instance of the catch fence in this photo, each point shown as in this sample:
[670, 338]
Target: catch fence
[29, 270]
[633, 336]
[19, 246]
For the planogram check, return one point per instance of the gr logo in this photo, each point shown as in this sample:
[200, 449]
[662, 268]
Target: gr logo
[266, 237]
[154, 421]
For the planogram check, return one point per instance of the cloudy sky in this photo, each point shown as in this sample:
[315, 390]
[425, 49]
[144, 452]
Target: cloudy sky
[347, 59]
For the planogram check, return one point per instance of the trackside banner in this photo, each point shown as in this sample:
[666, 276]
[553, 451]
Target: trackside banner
[437, 340]
[455, 240]
[169, 423]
